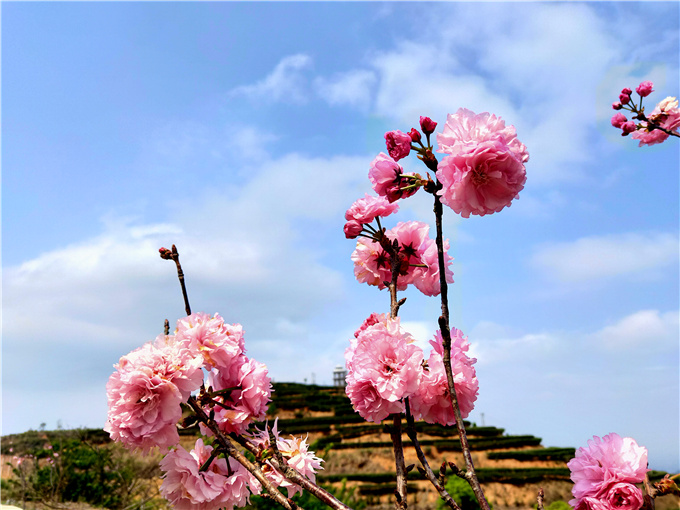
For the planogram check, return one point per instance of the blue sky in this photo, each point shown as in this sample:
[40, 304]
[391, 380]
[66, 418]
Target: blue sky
[241, 132]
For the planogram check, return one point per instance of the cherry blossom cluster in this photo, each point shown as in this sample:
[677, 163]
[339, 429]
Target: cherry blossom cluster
[224, 484]
[296, 453]
[416, 264]
[150, 384]
[651, 129]
[385, 367]
[482, 173]
[604, 474]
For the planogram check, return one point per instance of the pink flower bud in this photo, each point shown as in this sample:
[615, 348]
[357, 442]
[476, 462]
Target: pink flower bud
[626, 91]
[353, 229]
[618, 120]
[624, 98]
[427, 125]
[617, 105]
[628, 127]
[398, 144]
[415, 135]
[645, 88]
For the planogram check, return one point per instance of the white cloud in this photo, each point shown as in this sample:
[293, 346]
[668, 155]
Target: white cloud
[647, 329]
[352, 88]
[285, 83]
[595, 257]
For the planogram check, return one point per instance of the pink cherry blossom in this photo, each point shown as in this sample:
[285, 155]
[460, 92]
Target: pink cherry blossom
[372, 264]
[624, 496]
[372, 319]
[618, 120]
[667, 115]
[427, 125]
[645, 88]
[387, 178]
[145, 393]
[220, 486]
[485, 169]
[384, 367]
[249, 399]
[296, 453]
[217, 342]
[366, 209]
[612, 459]
[352, 229]
[398, 144]
[432, 402]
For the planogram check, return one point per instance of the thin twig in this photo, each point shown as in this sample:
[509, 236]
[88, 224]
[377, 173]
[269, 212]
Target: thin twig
[398, 446]
[438, 483]
[470, 475]
[174, 256]
[319, 493]
[226, 444]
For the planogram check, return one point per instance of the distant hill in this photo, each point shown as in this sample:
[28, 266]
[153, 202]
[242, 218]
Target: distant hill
[359, 454]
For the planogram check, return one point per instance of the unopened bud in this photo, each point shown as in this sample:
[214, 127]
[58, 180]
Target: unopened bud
[165, 253]
[628, 127]
[617, 105]
[645, 88]
[624, 98]
[415, 135]
[666, 486]
[427, 125]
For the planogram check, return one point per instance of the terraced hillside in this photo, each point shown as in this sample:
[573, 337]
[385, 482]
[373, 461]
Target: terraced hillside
[511, 467]
[356, 453]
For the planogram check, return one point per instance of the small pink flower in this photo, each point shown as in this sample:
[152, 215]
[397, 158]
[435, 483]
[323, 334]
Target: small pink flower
[645, 88]
[427, 125]
[628, 127]
[415, 135]
[432, 402]
[618, 120]
[372, 265]
[398, 144]
[667, 115]
[296, 453]
[485, 169]
[352, 229]
[388, 178]
[365, 210]
[612, 459]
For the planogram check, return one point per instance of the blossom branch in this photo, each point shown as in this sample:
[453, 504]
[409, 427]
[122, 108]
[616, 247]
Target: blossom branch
[401, 490]
[318, 492]
[174, 255]
[427, 470]
[227, 445]
[395, 433]
[444, 326]
[539, 499]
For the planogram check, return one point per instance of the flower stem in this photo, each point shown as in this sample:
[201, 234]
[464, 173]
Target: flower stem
[444, 326]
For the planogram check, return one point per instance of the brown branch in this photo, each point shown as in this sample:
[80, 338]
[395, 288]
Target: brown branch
[227, 445]
[401, 490]
[438, 483]
[470, 475]
[539, 498]
[319, 493]
[174, 256]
